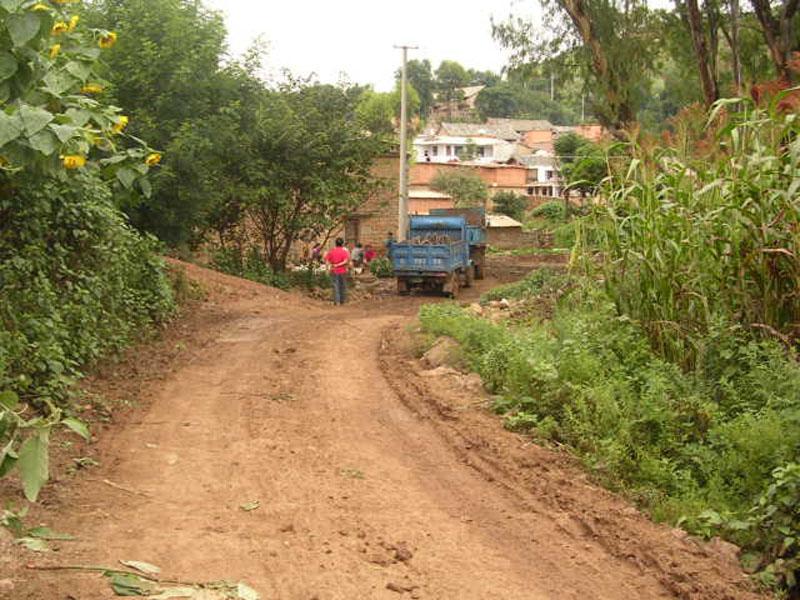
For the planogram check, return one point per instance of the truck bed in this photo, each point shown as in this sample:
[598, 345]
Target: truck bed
[429, 259]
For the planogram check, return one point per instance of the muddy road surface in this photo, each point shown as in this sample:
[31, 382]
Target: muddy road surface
[373, 476]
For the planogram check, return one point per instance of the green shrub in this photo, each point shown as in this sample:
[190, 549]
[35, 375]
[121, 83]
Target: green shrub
[381, 267]
[77, 283]
[510, 203]
[249, 263]
[541, 281]
[552, 211]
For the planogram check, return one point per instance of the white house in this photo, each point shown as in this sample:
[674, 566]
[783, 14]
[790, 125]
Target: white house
[448, 148]
[544, 178]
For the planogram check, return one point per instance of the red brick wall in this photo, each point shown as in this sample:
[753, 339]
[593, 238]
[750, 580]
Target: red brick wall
[378, 214]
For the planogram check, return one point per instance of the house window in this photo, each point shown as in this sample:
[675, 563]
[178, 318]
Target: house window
[530, 191]
[548, 175]
[449, 150]
[352, 229]
[434, 150]
[488, 151]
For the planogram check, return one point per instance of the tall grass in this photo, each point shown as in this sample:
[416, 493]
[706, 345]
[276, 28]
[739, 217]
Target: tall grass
[693, 243]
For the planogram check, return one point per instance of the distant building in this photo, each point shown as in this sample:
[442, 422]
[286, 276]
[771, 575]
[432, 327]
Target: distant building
[460, 108]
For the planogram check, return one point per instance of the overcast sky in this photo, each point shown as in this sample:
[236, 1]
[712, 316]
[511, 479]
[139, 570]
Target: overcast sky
[355, 37]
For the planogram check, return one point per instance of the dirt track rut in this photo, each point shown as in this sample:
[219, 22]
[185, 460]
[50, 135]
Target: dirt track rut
[373, 482]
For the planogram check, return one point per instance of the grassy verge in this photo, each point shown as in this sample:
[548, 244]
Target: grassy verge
[714, 449]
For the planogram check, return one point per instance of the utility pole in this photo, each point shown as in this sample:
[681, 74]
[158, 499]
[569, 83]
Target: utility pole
[552, 86]
[402, 208]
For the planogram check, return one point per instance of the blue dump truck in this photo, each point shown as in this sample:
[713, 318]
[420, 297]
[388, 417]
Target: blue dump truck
[476, 234]
[436, 255]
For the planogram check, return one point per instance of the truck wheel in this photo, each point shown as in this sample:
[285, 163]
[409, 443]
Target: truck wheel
[451, 287]
[402, 287]
[469, 277]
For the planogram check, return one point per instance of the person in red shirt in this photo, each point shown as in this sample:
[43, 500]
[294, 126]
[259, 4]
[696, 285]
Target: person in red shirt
[338, 258]
[369, 254]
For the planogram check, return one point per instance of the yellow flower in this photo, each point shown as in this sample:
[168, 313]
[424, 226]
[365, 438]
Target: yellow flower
[121, 123]
[107, 40]
[73, 22]
[153, 159]
[92, 88]
[59, 28]
[54, 50]
[74, 161]
[40, 6]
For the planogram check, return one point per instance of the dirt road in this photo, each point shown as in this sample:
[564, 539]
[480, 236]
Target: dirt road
[375, 478]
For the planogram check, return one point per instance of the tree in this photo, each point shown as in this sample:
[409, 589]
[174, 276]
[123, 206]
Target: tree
[705, 38]
[508, 99]
[379, 112]
[511, 204]
[780, 32]
[582, 163]
[450, 78]
[420, 77]
[465, 186]
[614, 44]
[300, 163]
[165, 73]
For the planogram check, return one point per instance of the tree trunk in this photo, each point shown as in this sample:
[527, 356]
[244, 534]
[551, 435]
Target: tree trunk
[694, 20]
[622, 114]
[777, 32]
[734, 44]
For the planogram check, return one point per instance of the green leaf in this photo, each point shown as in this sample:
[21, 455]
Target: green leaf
[33, 544]
[146, 187]
[34, 118]
[8, 65]
[126, 177]
[79, 70]
[9, 400]
[33, 463]
[126, 584]
[11, 5]
[77, 426]
[64, 133]
[10, 128]
[23, 27]
[8, 460]
[78, 116]
[44, 142]
[5, 92]
[45, 533]
[58, 82]
[143, 567]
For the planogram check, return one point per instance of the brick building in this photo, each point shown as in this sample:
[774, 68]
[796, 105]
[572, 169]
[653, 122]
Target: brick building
[378, 215]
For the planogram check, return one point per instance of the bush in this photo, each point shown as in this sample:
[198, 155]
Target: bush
[381, 267]
[77, 283]
[249, 263]
[552, 211]
[541, 281]
[511, 204]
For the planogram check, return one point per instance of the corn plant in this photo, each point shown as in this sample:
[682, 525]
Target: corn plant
[691, 242]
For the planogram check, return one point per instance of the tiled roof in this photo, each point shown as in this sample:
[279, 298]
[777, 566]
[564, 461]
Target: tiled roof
[479, 130]
[522, 125]
[501, 221]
